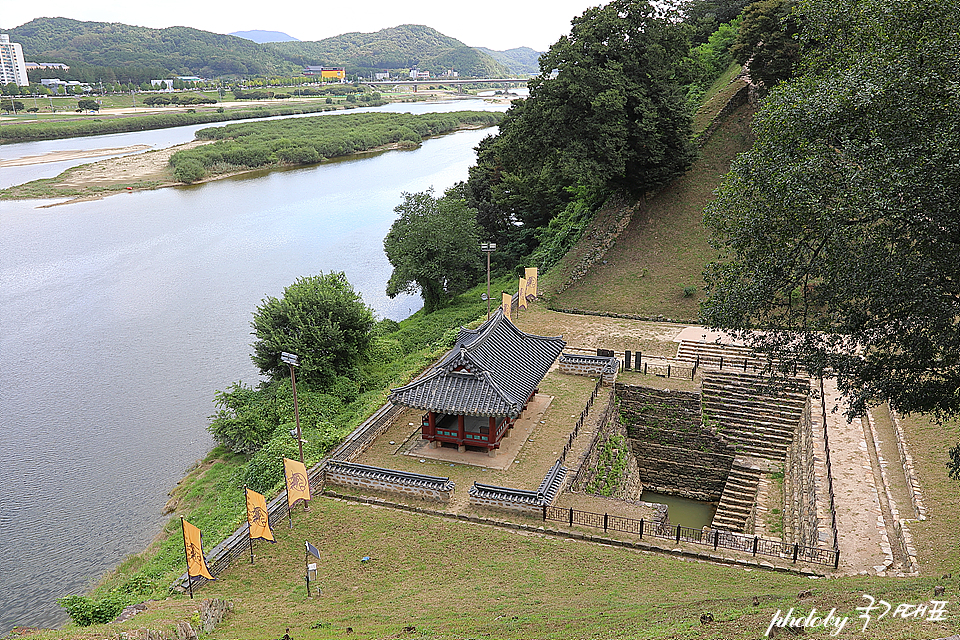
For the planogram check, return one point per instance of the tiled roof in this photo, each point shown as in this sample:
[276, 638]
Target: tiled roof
[491, 371]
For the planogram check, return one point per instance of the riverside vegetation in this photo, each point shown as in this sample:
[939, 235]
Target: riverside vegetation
[525, 586]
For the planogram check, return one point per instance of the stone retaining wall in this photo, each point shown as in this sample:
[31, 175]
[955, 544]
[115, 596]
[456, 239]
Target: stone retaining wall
[430, 488]
[801, 524]
[592, 366]
[675, 453]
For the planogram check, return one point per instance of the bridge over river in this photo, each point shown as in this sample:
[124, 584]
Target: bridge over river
[458, 82]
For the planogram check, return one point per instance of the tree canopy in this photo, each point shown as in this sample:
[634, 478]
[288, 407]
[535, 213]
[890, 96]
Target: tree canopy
[434, 247]
[607, 112]
[767, 41]
[322, 320]
[839, 230]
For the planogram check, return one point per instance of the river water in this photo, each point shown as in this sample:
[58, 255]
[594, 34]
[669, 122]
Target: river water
[119, 318]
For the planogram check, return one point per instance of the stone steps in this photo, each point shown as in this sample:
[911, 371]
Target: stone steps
[739, 496]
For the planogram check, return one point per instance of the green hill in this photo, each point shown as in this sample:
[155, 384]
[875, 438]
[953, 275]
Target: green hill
[180, 50]
[403, 47]
[519, 61]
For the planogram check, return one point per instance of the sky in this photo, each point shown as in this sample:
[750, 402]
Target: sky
[495, 24]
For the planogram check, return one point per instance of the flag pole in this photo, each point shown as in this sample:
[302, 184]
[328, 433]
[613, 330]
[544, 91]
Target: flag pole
[186, 557]
[246, 500]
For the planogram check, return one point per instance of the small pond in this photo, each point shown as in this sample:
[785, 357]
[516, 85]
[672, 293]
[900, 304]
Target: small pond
[683, 511]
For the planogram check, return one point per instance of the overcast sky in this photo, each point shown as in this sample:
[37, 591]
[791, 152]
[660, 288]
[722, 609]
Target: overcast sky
[496, 24]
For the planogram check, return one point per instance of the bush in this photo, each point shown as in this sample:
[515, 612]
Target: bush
[189, 171]
[86, 611]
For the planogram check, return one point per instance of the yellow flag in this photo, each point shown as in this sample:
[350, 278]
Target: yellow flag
[531, 273]
[257, 517]
[196, 565]
[507, 304]
[298, 487]
[522, 301]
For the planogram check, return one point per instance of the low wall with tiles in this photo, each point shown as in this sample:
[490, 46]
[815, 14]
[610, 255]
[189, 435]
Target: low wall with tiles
[412, 485]
[592, 366]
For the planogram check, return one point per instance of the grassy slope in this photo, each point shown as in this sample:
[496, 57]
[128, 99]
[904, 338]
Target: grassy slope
[665, 247]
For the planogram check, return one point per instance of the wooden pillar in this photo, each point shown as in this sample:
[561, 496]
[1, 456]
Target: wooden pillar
[461, 433]
[492, 430]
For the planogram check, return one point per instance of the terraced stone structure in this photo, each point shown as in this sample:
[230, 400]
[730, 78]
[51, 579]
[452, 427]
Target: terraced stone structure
[714, 446]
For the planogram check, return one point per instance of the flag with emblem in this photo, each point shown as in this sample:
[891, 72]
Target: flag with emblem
[522, 298]
[298, 488]
[193, 549]
[506, 303]
[257, 517]
[531, 274]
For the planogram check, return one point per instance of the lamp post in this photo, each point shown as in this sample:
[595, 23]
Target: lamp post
[488, 248]
[293, 361]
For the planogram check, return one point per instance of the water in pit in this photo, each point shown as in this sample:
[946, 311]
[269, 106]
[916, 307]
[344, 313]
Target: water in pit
[683, 511]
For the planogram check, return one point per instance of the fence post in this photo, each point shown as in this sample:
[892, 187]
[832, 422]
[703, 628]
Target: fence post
[571, 516]
[836, 559]
[668, 370]
[716, 535]
[678, 533]
[795, 549]
[641, 529]
[744, 363]
[644, 368]
[756, 542]
[626, 359]
[604, 523]
[544, 513]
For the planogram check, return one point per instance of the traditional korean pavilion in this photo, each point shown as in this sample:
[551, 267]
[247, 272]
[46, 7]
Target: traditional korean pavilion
[477, 392]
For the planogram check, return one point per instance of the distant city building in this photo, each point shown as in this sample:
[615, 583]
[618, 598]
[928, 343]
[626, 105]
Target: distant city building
[384, 75]
[56, 83]
[59, 66]
[12, 67]
[416, 74]
[450, 73]
[162, 84]
[326, 73]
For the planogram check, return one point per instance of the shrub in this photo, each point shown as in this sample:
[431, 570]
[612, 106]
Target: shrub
[189, 171]
[86, 611]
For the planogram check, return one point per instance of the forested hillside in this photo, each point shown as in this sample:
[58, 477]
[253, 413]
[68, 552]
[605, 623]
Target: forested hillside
[180, 50]
[403, 47]
[521, 60]
[111, 52]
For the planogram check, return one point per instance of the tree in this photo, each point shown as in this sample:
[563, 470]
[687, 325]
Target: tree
[319, 318]
[767, 42]
[88, 105]
[434, 247]
[839, 228]
[606, 112]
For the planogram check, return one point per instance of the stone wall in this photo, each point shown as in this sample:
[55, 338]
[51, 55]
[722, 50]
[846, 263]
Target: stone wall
[675, 453]
[592, 366]
[387, 481]
[801, 524]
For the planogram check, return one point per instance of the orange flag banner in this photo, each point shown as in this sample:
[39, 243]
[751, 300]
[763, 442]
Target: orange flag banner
[522, 301]
[507, 304]
[193, 547]
[257, 517]
[298, 488]
[531, 274]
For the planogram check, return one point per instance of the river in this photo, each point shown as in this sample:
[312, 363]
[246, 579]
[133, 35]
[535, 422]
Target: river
[119, 318]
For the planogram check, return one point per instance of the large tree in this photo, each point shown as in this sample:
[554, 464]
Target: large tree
[606, 113]
[768, 41]
[839, 229]
[322, 320]
[434, 247]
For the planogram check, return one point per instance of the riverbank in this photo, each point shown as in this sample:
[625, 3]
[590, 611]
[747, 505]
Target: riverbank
[138, 171]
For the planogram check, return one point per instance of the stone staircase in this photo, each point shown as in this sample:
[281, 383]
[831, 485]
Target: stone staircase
[715, 355]
[758, 416]
[735, 509]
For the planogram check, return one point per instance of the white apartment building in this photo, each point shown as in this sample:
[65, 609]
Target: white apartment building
[12, 66]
